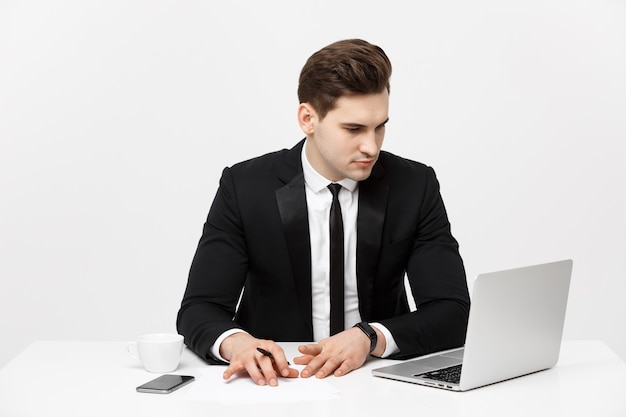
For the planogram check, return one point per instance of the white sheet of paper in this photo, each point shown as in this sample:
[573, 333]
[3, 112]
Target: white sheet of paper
[210, 386]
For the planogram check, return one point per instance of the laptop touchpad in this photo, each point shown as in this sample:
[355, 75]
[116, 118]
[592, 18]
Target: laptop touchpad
[435, 362]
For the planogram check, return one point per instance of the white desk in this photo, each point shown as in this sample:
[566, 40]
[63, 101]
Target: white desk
[99, 379]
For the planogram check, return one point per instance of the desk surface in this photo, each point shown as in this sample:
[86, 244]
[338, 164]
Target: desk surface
[99, 379]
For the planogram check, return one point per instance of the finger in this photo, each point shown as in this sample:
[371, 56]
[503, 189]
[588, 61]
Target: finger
[328, 367]
[312, 357]
[292, 373]
[266, 368]
[312, 349]
[255, 372]
[303, 360]
[279, 360]
[314, 365]
[287, 372]
[343, 369]
[232, 370]
[309, 352]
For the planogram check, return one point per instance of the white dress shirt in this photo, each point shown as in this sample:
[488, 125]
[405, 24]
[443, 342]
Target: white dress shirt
[319, 199]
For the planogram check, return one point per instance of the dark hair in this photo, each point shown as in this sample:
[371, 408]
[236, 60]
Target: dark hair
[346, 67]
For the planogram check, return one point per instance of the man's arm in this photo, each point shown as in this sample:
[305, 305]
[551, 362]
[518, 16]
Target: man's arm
[216, 280]
[437, 278]
[438, 283]
[217, 274]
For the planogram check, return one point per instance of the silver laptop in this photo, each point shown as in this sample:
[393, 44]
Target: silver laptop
[515, 328]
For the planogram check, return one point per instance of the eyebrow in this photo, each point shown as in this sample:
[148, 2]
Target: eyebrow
[355, 125]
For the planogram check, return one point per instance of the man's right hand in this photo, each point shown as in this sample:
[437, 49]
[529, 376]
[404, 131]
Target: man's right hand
[240, 349]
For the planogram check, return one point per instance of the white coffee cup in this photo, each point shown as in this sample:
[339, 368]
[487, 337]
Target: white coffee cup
[158, 352]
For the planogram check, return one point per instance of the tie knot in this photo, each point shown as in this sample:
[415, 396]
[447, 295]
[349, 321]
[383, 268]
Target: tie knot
[334, 188]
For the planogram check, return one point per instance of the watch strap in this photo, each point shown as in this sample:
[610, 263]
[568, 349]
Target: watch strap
[369, 332]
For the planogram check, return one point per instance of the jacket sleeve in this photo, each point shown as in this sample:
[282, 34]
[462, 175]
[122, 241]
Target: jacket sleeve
[438, 283]
[217, 274]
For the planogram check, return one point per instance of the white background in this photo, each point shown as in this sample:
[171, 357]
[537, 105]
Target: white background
[117, 117]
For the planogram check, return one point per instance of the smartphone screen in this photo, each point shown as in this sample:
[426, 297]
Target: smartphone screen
[165, 384]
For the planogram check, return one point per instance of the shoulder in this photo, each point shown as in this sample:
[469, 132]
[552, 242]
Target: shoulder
[404, 177]
[270, 162]
[266, 172]
[394, 165]
[261, 161]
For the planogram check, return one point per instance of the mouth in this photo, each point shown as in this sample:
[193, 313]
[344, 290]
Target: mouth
[364, 163]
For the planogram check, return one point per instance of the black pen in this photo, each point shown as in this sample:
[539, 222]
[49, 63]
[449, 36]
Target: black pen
[268, 354]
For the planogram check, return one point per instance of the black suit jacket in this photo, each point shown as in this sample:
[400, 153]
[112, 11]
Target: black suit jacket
[256, 239]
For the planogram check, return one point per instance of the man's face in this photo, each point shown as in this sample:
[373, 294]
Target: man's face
[346, 143]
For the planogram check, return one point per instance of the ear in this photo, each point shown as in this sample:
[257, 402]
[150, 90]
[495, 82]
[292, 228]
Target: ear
[306, 118]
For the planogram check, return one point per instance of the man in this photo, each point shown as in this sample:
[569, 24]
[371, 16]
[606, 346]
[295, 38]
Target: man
[267, 234]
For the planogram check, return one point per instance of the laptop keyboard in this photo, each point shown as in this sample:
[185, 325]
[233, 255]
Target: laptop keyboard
[451, 374]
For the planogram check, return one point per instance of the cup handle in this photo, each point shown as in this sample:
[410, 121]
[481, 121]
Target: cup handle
[131, 348]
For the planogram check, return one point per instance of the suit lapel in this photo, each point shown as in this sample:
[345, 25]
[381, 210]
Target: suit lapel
[373, 194]
[291, 200]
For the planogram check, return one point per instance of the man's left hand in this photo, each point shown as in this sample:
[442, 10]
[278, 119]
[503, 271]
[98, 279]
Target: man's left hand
[336, 355]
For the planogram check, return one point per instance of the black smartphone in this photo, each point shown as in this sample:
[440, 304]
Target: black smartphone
[165, 384]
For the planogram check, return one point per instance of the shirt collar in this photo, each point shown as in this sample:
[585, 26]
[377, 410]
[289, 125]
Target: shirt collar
[316, 182]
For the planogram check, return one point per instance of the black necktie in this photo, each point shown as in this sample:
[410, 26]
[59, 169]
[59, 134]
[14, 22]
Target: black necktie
[336, 263]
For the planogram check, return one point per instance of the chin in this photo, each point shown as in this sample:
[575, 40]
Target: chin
[360, 176]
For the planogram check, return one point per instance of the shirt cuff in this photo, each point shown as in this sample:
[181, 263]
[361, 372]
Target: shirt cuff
[390, 346]
[215, 349]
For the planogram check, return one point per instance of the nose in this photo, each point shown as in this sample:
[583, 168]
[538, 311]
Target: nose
[371, 142]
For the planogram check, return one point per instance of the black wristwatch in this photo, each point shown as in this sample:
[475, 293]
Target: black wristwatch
[370, 332]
